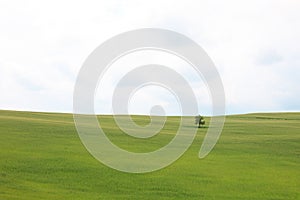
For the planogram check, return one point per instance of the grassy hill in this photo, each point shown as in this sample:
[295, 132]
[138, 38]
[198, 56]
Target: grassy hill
[257, 157]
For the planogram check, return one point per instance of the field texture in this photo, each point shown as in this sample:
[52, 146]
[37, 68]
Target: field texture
[257, 157]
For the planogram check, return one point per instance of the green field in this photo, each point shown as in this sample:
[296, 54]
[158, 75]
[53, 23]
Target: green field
[257, 157]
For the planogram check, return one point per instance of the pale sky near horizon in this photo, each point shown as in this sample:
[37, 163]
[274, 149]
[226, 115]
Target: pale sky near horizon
[255, 46]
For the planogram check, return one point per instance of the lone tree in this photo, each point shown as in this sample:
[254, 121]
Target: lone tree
[199, 120]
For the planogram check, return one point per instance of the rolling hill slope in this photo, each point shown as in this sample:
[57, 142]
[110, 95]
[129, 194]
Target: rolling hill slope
[257, 157]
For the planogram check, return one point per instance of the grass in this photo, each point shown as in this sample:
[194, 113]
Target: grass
[257, 157]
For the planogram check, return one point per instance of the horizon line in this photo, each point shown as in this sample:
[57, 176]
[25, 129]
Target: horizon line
[135, 114]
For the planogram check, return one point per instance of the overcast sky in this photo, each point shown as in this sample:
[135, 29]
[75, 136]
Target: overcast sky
[255, 45]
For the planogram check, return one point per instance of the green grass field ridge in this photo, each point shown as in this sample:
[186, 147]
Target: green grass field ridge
[256, 157]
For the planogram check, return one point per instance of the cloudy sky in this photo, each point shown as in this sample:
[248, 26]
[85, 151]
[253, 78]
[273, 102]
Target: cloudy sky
[255, 45]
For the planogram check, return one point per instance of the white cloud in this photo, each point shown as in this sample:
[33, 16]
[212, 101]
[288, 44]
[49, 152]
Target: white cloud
[254, 44]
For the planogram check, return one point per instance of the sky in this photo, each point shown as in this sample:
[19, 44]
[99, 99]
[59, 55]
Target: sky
[253, 44]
